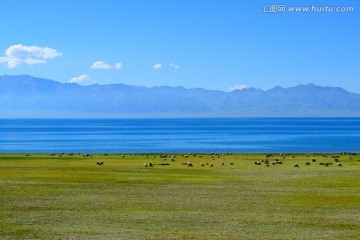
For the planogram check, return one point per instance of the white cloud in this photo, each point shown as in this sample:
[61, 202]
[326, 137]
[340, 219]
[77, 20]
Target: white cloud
[80, 78]
[157, 66]
[237, 87]
[18, 54]
[104, 66]
[118, 65]
[101, 65]
[173, 65]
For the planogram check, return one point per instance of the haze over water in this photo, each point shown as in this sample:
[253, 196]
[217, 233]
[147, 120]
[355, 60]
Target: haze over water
[180, 135]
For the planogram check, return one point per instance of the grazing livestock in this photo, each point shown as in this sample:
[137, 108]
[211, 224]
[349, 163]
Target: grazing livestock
[313, 160]
[231, 163]
[296, 165]
[203, 165]
[189, 164]
[222, 164]
[307, 163]
[339, 165]
[326, 164]
[211, 165]
[100, 163]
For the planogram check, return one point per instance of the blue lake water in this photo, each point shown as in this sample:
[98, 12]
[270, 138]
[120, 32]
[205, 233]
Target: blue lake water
[180, 135]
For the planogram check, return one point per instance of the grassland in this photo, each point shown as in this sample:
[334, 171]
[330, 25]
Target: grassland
[71, 197]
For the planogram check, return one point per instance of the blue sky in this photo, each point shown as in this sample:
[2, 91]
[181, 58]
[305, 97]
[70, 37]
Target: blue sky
[212, 44]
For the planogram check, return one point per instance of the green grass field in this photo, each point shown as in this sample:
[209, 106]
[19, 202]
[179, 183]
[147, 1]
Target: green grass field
[71, 197]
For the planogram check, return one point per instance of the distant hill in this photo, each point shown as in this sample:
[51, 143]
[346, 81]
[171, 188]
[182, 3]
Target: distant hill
[26, 96]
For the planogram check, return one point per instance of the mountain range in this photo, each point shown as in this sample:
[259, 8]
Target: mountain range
[24, 96]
